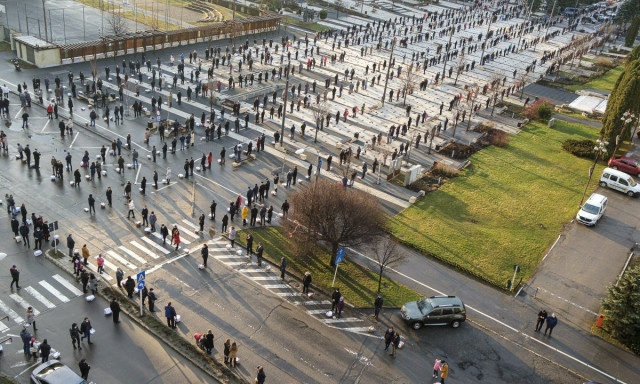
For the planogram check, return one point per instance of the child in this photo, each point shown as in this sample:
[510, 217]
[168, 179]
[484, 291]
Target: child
[436, 369]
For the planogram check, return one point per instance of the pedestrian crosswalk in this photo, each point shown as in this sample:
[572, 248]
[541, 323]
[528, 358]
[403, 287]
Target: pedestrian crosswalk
[45, 295]
[247, 266]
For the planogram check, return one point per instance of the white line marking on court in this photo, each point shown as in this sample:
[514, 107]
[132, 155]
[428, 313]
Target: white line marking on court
[68, 285]
[30, 290]
[54, 291]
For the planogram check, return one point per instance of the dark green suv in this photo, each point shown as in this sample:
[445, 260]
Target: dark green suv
[434, 310]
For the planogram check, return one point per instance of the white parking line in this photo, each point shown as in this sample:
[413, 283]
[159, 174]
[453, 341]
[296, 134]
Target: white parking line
[54, 291]
[68, 285]
[23, 303]
[143, 249]
[30, 290]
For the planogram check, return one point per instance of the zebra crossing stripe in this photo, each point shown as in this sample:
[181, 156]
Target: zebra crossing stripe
[276, 286]
[105, 276]
[316, 311]
[12, 314]
[54, 291]
[272, 278]
[345, 320]
[132, 254]
[121, 260]
[317, 302]
[190, 224]
[3, 328]
[30, 290]
[23, 303]
[143, 249]
[288, 294]
[68, 285]
[234, 262]
[356, 329]
[188, 232]
[228, 257]
[156, 246]
[221, 249]
[250, 270]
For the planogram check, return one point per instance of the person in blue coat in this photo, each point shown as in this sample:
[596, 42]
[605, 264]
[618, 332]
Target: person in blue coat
[170, 314]
[552, 321]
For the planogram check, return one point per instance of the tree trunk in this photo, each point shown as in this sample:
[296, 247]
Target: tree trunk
[380, 278]
[334, 253]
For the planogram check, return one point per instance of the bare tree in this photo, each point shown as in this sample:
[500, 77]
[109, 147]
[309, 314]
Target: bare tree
[386, 256]
[496, 87]
[94, 68]
[408, 79]
[235, 29]
[320, 110]
[522, 79]
[472, 97]
[462, 60]
[116, 23]
[326, 212]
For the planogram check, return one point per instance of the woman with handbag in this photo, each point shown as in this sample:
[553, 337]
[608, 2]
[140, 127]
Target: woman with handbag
[233, 354]
[227, 350]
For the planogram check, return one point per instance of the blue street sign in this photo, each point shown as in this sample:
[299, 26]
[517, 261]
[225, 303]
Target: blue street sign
[141, 285]
[340, 256]
[140, 277]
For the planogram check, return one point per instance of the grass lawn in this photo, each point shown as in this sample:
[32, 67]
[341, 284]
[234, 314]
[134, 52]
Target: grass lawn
[357, 284]
[312, 26]
[150, 21]
[506, 208]
[602, 83]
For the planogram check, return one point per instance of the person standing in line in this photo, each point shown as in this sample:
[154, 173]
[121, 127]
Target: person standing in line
[131, 212]
[145, 216]
[85, 254]
[227, 350]
[232, 236]
[261, 377]
[208, 341]
[436, 369]
[31, 318]
[233, 354]
[201, 222]
[115, 310]
[84, 278]
[285, 209]
[152, 221]
[92, 204]
[170, 314]
[395, 343]
[74, 332]
[377, 305]
[93, 284]
[444, 371]
[259, 251]
[84, 369]
[168, 176]
[552, 321]
[388, 338]
[24, 232]
[283, 268]
[45, 349]
[205, 254]
[164, 231]
[306, 282]
[212, 207]
[129, 286]
[225, 222]
[26, 341]
[249, 239]
[109, 196]
[176, 238]
[85, 328]
[340, 307]
[542, 316]
[15, 277]
[152, 300]
[119, 277]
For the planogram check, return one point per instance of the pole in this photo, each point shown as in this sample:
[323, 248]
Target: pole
[84, 26]
[386, 81]
[284, 113]
[193, 196]
[513, 281]
[44, 14]
[64, 28]
[141, 307]
[334, 276]
[39, 31]
[26, 18]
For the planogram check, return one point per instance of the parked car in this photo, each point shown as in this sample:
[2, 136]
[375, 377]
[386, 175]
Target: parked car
[626, 165]
[54, 372]
[592, 210]
[434, 310]
[619, 181]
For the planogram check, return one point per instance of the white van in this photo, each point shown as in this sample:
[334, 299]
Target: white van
[592, 210]
[619, 181]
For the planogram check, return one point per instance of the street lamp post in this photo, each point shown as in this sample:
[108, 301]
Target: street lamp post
[601, 147]
[44, 14]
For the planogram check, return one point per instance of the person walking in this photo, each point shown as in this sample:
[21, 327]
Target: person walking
[201, 222]
[233, 354]
[176, 238]
[377, 306]
[388, 338]
[444, 371]
[170, 314]
[31, 318]
[109, 196]
[552, 321]
[115, 310]
[45, 349]
[93, 284]
[306, 282]
[436, 369]
[129, 286]
[15, 277]
[164, 231]
[74, 332]
[395, 343]
[205, 254]
[152, 300]
[132, 207]
[261, 377]
[152, 221]
[84, 369]
[85, 329]
[227, 350]
[283, 268]
[542, 316]
[340, 307]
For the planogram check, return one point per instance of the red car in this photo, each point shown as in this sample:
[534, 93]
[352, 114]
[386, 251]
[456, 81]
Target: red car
[626, 165]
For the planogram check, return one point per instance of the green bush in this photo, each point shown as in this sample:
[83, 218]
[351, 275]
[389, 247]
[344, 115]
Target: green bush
[580, 148]
[539, 110]
[323, 14]
[545, 111]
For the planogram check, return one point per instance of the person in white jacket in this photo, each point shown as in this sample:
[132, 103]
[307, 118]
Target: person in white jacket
[168, 175]
[131, 210]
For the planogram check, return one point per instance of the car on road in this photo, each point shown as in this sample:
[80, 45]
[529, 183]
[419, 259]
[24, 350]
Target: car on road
[434, 310]
[620, 181]
[54, 372]
[625, 164]
[592, 210]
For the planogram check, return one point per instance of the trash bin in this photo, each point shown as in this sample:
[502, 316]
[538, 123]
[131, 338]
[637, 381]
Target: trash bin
[599, 321]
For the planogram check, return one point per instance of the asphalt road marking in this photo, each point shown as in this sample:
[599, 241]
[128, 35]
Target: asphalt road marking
[143, 249]
[132, 254]
[30, 290]
[156, 246]
[568, 301]
[67, 285]
[120, 260]
[345, 320]
[54, 291]
[23, 303]
[74, 139]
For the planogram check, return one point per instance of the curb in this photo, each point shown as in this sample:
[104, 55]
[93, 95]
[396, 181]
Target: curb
[214, 369]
